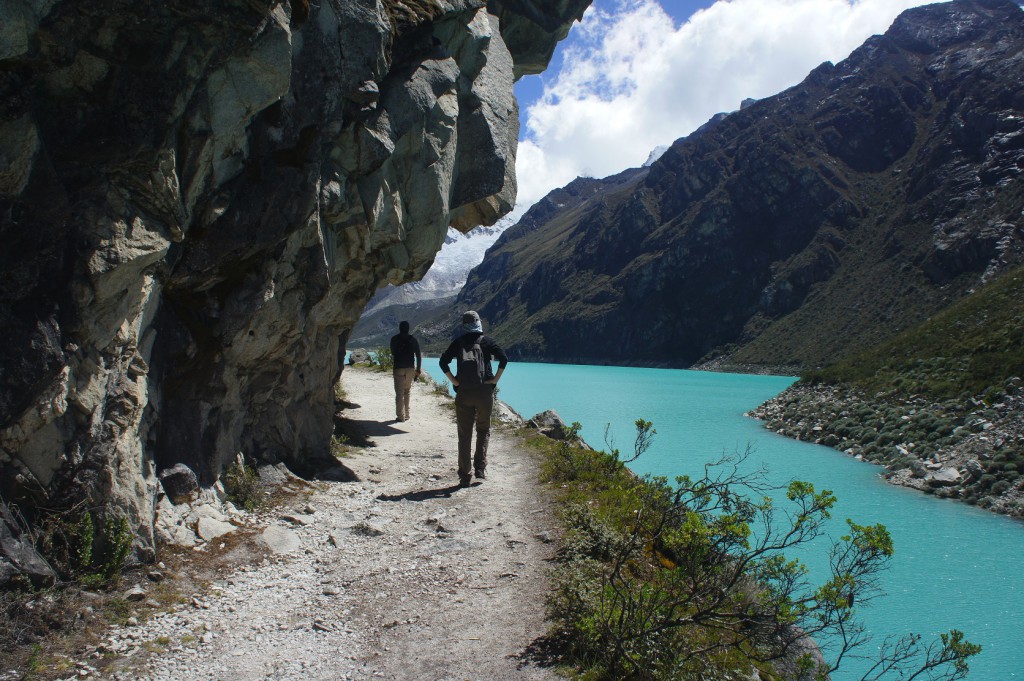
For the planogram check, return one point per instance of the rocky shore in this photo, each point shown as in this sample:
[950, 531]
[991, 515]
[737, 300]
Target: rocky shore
[969, 450]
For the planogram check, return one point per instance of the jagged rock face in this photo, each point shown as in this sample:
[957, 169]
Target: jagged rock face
[196, 202]
[802, 227]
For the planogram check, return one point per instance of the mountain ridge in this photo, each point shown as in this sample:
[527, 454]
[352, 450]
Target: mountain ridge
[895, 171]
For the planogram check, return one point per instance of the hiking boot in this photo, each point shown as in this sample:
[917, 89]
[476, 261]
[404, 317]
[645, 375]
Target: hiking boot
[464, 482]
[481, 474]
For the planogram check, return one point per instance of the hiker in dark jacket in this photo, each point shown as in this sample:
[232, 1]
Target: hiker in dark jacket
[405, 352]
[474, 383]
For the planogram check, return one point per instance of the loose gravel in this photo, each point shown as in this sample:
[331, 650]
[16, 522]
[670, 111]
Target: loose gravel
[400, 575]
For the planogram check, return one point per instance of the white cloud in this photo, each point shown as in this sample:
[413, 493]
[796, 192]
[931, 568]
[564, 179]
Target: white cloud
[633, 80]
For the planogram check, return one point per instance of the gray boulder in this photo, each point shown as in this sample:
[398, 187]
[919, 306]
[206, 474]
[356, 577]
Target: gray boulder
[280, 540]
[358, 357]
[944, 477]
[18, 556]
[275, 475]
[507, 415]
[209, 529]
[180, 483]
[974, 469]
[549, 423]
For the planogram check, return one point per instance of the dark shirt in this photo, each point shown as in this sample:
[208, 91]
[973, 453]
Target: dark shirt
[490, 349]
[405, 350]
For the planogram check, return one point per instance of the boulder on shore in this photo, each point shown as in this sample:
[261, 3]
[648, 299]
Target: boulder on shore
[358, 357]
[549, 424]
[944, 477]
[180, 483]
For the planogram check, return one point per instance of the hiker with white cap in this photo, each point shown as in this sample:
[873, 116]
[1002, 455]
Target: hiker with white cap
[474, 383]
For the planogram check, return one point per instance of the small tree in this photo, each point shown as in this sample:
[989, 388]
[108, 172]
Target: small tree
[384, 359]
[667, 580]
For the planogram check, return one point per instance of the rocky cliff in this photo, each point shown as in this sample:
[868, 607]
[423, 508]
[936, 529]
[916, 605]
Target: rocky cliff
[196, 202]
[804, 226]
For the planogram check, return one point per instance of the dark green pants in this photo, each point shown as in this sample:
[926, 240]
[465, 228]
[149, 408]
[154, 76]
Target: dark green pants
[473, 406]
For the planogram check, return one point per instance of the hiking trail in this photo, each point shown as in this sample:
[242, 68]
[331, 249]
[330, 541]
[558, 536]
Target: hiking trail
[401, 575]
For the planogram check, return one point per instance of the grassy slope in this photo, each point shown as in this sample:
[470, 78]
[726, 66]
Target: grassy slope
[947, 390]
[972, 347]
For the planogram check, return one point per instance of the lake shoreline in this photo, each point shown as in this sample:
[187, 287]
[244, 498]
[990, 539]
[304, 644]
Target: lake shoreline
[700, 417]
[953, 450]
[958, 468]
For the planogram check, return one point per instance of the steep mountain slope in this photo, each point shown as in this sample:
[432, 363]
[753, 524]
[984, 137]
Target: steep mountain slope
[459, 254]
[431, 319]
[432, 295]
[443, 281]
[805, 226]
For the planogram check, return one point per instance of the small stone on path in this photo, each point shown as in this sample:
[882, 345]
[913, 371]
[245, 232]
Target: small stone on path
[281, 540]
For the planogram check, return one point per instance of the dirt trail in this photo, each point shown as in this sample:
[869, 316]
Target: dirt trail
[401, 575]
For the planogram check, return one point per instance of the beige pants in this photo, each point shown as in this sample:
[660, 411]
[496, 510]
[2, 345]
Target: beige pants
[403, 387]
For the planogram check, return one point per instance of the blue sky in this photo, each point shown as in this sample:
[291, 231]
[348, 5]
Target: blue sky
[637, 74]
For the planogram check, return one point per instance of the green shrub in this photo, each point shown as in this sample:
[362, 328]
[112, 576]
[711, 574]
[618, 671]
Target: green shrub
[660, 580]
[243, 488]
[1000, 487]
[116, 542]
[80, 548]
[81, 536]
[383, 358]
[339, 445]
[969, 349]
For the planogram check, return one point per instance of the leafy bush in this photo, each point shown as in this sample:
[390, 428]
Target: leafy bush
[383, 358]
[339, 445]
[1000, 487]
[80, 548]
[116, 542]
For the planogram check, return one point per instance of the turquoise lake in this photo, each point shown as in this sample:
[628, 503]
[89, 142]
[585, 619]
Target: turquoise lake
[955, 566]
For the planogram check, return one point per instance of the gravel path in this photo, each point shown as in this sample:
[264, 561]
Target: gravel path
[401, 575]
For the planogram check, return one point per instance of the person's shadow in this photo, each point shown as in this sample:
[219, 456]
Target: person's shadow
[360, 433]
[422, 495]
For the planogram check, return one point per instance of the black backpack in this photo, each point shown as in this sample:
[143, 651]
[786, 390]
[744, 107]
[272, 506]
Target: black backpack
[472, 369]
[403, 346]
